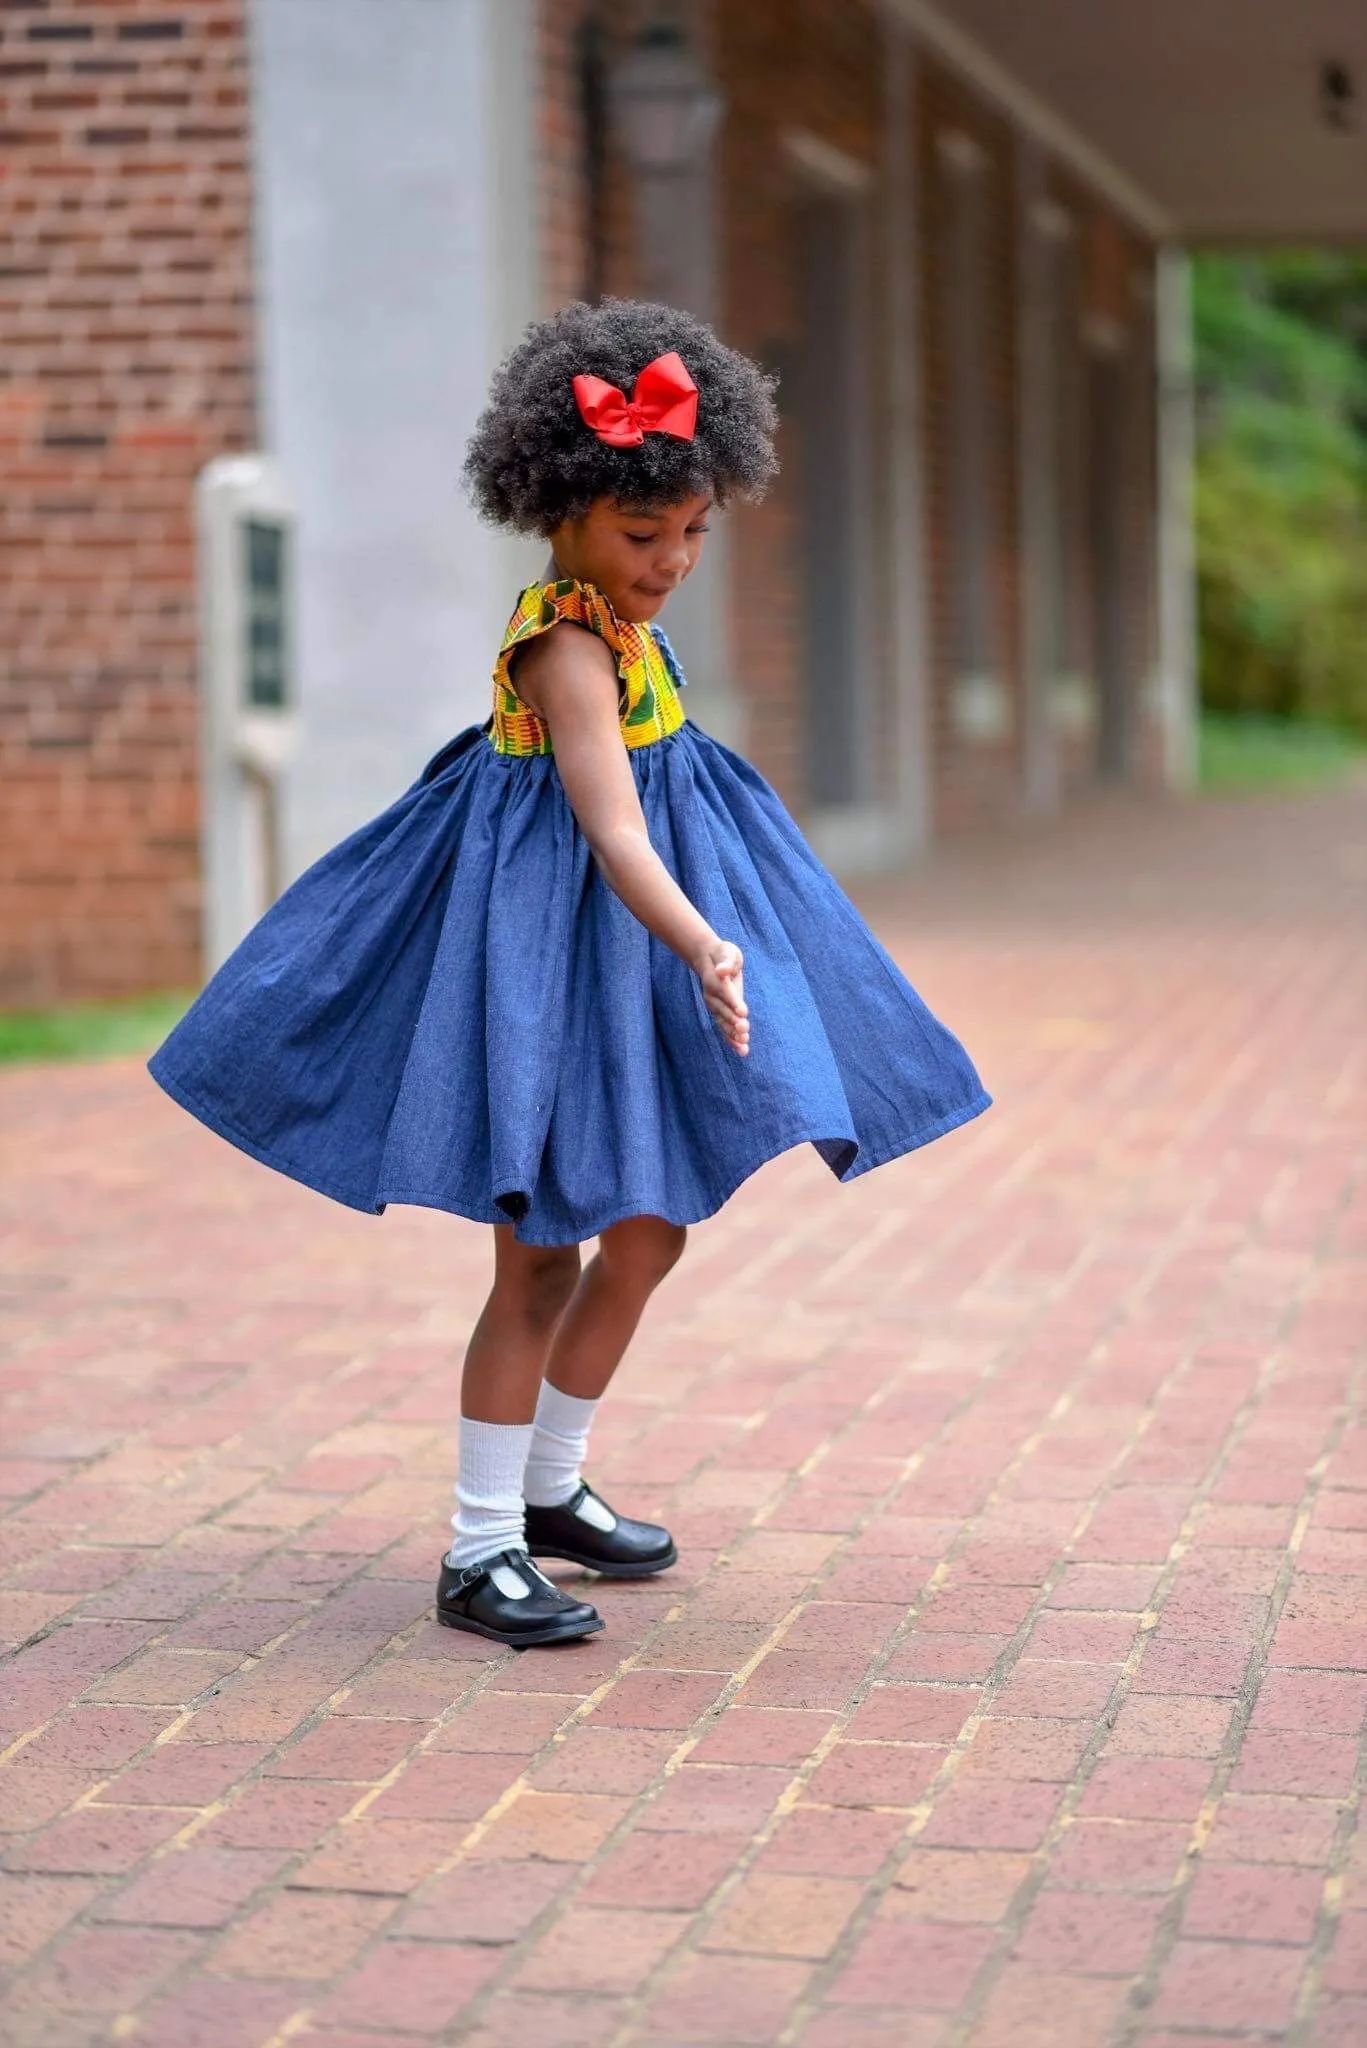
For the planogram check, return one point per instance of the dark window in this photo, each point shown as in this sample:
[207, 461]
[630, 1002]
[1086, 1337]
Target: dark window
[265, 676]
[1070, 657]
[973, 648]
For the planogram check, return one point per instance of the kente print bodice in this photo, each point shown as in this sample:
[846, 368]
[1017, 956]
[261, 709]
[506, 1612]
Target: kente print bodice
[647, 671]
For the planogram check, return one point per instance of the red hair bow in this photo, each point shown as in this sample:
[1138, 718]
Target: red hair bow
[664, 401]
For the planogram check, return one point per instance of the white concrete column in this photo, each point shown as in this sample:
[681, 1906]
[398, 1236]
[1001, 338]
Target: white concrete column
[908, 631]
[1176, 540]
[396, 260]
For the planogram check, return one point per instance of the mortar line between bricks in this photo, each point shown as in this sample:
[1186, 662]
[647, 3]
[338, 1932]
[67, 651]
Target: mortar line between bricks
[250, 1664]
[792, 1793]
[91, 1794]
[201, 1818]
[880, 1883]
[1244, 1703]
[290, 2029]
[774, 1252]
[1169, 1926]
[1033, 1883]
[207, 1458]
[877, 1886]
[524, 1782]
[202, 1458]
[152, 1642]
[870, 1246]
[486, 1682]
[628, 1822]
[920, 1813]
[1330, 1905]
[1331, 1895]
[694, 1735]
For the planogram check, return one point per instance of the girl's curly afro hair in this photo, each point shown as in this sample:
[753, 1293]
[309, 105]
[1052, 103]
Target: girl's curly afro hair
[533, 464]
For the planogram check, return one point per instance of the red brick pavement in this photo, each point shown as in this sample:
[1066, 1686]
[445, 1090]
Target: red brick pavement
[1012, 1685]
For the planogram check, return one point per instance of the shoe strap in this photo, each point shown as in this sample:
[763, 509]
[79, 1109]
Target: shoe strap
[472, 1574]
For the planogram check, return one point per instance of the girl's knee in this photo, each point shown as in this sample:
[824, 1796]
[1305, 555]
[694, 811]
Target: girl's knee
[643, 1250]
[538, 1281]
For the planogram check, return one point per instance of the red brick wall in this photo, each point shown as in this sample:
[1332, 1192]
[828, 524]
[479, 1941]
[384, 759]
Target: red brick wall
[780, 65]
[125, 364]
[817, 65]
[586, 224]
[563, 184]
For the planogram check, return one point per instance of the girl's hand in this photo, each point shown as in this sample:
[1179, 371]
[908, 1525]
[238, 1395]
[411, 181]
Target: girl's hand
[719, 968]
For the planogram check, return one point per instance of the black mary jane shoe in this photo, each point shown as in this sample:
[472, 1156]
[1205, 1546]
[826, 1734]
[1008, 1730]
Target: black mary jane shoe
[472, 1599]
[627, 1550]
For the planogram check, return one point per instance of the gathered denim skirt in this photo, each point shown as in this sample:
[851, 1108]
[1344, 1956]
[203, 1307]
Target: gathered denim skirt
[453, 1009]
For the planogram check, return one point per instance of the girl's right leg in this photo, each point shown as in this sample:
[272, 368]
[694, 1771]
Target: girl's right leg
[565, 1516]
[505, 1360]
[488, 1584]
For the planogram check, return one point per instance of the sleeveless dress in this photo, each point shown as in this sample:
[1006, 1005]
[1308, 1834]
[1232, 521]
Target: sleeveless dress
[453, 1009]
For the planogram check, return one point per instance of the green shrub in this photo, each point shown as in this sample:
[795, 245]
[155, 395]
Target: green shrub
[1281, 489]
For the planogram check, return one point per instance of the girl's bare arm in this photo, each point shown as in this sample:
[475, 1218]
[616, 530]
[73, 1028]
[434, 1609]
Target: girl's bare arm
[567, 677]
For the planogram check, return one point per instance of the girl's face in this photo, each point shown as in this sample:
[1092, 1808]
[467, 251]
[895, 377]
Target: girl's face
[634, 556]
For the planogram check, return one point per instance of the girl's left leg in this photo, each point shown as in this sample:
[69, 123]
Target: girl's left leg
[609, 1298]
[488, 1584]
[564, 1518]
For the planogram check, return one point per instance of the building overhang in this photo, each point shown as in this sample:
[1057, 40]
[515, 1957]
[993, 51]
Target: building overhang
[1204, 121]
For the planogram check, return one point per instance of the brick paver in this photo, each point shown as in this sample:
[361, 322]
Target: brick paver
[1012, 1684]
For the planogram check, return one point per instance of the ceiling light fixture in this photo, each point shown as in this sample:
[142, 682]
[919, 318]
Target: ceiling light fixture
[1338, 96]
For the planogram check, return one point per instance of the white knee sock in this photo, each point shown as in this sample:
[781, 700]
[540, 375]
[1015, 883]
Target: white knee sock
[489, 1513]
[560, 1439]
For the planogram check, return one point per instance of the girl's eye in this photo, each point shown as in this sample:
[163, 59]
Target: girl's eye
[704, 528]
[642, 540]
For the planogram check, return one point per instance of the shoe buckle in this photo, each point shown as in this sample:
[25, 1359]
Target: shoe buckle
[516, 1559]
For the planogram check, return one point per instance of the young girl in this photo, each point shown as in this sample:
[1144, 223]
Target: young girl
[586, 975]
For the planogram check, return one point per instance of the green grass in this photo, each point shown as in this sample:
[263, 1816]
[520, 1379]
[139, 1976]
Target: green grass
[89, 1031]
[1240, 751]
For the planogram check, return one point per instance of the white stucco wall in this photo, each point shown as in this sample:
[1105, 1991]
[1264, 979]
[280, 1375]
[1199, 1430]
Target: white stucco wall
[396, 261]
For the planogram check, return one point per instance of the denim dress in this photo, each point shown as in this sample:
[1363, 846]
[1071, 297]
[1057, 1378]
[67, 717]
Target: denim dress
[453, 1009]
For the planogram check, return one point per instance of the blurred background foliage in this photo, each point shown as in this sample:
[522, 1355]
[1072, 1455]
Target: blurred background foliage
[87, 1031]
[1281, 498]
